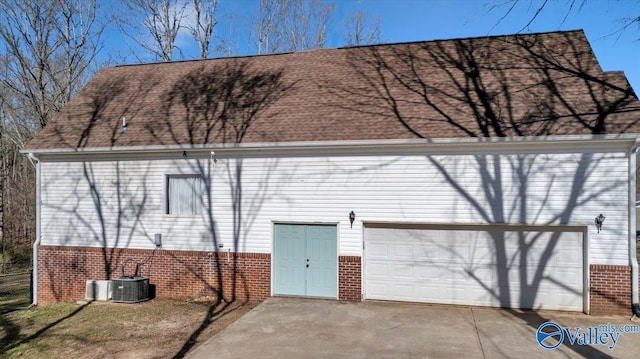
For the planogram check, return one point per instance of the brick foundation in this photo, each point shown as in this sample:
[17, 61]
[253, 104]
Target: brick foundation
[610, 289]
[62, 272]
[350, 278]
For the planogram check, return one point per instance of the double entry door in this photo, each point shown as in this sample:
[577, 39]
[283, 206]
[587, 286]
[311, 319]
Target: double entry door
[305, 260]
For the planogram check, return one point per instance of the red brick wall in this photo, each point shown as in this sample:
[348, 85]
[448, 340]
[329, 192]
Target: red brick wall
[62, 272]
[610, 289]
[350, 278]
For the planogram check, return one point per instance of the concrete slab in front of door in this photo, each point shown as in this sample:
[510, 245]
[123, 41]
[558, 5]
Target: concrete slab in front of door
[305, 328]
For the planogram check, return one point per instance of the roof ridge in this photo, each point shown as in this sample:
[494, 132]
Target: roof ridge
[347, 47]
[466, 38]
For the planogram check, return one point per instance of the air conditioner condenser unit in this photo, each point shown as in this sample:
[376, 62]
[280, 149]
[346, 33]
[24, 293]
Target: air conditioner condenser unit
[97, 290]
[130, 289]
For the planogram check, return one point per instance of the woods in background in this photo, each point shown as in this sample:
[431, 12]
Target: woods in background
[50, 48]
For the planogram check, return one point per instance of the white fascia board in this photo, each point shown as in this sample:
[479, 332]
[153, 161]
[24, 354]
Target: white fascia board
[453, 146]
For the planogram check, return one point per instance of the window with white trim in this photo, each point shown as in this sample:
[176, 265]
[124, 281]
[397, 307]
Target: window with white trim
[184, 195]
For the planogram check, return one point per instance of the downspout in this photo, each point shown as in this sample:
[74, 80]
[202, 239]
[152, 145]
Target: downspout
[36, 243]
[633, 259]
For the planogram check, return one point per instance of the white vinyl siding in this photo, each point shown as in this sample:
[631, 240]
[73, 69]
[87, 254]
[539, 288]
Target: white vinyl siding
[524, 188]
[184, 195]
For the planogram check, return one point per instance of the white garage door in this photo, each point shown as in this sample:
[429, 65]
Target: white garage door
[527, 267]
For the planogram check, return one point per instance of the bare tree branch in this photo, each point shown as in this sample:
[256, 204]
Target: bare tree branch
[47, 52]
[291, 25]
[359, 31]
[159, 21]
[205, 22]
[539, 7]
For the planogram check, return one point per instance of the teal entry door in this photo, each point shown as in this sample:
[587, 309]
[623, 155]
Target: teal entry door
[305, 260]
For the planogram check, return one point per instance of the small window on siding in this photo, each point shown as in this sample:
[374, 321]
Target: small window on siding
[184, 194]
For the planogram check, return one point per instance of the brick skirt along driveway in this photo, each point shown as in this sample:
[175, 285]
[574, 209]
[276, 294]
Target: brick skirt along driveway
[308, 328]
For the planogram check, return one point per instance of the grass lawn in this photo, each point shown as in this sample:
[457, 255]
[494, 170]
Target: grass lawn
[14, 290]
[154, 329]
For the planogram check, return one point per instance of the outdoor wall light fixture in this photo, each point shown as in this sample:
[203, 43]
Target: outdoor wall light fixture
[352, 217]
[598, 221]
[184, 154]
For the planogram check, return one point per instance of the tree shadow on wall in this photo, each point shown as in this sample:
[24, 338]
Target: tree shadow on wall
[108, 210]
[114, 202]
[502, 87]
[217, 105]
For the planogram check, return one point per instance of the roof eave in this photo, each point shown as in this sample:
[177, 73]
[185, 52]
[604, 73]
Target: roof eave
[462, 144]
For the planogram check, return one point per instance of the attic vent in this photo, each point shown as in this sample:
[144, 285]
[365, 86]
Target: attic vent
[130, 289]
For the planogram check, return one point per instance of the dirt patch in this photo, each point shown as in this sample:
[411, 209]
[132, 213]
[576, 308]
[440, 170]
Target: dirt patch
[154, 329]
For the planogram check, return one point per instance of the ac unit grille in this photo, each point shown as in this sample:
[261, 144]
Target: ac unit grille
[130, 289]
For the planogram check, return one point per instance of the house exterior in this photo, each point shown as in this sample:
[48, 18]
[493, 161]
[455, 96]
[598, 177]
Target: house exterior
[466, 171]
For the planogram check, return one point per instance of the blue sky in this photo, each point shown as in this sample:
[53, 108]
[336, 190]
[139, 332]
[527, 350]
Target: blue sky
[414, 20]
[417, 20]
[408, 20]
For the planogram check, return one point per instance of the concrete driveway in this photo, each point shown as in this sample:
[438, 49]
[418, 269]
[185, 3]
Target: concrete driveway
[308, 328]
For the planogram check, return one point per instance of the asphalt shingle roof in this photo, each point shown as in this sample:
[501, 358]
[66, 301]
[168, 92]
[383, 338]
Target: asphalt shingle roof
[522, 85]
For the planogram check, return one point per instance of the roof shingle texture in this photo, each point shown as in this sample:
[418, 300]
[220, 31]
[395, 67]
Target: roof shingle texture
[524, 85]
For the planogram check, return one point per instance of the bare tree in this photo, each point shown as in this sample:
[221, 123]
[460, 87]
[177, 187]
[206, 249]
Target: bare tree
[159, 21]
[359, 31]
[268, 33]
[47, 48]
[205, 21]
[228, 44]
[291, 25]
[308, 23]
[538, 8]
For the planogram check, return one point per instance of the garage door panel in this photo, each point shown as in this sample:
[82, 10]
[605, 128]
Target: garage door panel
[479, 296]
[402, 251]
[427, 273]
[425, 251]
[485, 273]
[454, 294]
[450, 276]
[379, 290]
[404, 291]
[462, 266]
[402, 272]
[378, 250]
[428, 292]
[378, 270]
